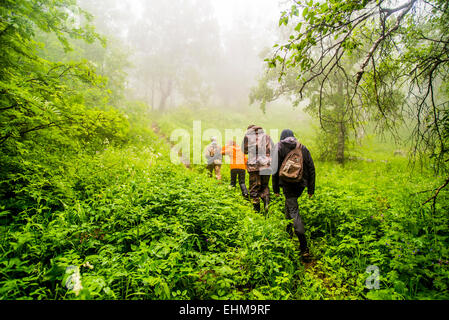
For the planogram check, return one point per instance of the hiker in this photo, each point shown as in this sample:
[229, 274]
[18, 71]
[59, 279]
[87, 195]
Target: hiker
[237, 165]
[287, 148]
[213, 156]
[257, 145]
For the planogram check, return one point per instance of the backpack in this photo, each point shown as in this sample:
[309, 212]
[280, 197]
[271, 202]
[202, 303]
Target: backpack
[292, 168]
[214, 154]
[258, 151]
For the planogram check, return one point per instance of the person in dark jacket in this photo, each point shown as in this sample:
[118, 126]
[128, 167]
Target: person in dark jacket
[292, 191]
[258, 146]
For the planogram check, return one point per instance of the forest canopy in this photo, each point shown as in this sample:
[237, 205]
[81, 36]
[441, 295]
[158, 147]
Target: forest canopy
[387, 61]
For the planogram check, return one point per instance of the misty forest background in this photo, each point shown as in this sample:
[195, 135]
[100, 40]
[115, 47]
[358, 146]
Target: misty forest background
[92, 207]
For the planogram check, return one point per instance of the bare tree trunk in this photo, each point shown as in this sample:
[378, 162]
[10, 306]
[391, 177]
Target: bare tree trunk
[152, 94]
[162, 103]
[165, 93]
[341, 125]
[360, 134]
[341, 143]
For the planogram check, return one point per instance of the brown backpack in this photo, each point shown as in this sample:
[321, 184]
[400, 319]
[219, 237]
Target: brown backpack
[259, 149]
[292, 168]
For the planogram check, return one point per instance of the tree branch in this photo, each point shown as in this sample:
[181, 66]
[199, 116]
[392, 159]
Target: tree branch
[437, 191]
[371, 52]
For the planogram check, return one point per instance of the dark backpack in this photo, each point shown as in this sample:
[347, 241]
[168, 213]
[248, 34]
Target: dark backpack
[292, 168]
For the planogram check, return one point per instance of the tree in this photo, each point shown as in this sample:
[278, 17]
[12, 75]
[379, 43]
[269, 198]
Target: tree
[48, 107]
[328, 102]
[33, 89]
[402, 48]
[331, 108]
[175, 42]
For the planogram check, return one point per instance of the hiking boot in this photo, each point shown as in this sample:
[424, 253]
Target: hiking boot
[305, 254]
[244, 191]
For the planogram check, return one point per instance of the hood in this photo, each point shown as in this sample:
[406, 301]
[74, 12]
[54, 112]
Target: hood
[286, 133]
[257, 129]
[289, 143]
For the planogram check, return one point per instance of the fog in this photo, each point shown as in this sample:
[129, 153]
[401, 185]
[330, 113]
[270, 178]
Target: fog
[195, 53]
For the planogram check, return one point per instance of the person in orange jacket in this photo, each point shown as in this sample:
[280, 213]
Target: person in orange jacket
[238, 162]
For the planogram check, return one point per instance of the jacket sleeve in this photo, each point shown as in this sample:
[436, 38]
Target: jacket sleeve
[275, 179]
[310, 167]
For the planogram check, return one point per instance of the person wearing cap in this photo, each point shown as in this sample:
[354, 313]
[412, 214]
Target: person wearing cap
[237, 165]
[214, 157]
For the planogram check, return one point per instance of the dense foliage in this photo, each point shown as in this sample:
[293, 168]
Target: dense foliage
[139, 227]
[367, 213]
[148, 233]
[92, 207]
[399, 64]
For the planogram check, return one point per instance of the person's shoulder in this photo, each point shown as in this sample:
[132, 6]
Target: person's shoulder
[304, 149]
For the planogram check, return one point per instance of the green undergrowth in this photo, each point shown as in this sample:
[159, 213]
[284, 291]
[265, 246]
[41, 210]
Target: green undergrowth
[366, 215]
[136, 226]
[124, 222]
[371, 214]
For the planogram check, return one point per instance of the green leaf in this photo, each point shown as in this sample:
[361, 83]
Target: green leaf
[305, 11]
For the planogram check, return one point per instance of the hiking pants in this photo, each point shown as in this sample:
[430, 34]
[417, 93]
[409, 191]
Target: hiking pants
[258, 187]
[240, 174]
[215, 167]
[292, 213]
